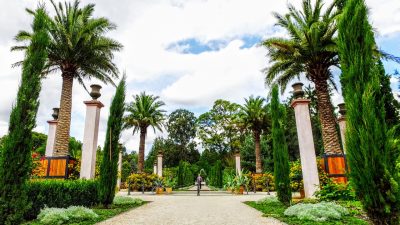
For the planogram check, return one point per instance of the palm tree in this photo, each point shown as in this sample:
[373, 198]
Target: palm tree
[144, 111]
[80, 50]
[254, 116]
[310, 49]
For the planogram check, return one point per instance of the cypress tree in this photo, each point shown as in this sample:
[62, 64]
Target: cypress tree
[15, 162]
[109, 164]
[370, 150]
[280, 149]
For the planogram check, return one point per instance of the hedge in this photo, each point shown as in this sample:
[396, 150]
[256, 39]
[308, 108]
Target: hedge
[60, 194]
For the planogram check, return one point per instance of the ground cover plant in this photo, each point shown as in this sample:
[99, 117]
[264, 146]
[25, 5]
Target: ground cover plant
[349, 212]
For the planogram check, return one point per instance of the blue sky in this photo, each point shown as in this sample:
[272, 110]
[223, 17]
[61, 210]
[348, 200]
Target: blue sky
[188, 52]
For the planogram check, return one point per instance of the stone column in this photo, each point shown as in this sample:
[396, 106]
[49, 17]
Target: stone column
[119, 167]
[306, 142]
[155, 167]
[159, 164]
[342, 125]
[52, 133]
[90, 135]
[237, 163]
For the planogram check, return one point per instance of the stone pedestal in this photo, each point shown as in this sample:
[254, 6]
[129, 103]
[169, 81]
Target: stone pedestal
[90, 136]
[155, 167]
[51, 136]
[306, 145]
[237, 163]
[119, 169]
[159, 165]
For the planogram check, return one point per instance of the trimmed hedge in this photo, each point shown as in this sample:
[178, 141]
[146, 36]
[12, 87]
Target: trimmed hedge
[60, 194]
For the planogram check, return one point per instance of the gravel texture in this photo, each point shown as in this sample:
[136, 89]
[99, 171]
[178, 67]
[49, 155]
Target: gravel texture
[217, 208]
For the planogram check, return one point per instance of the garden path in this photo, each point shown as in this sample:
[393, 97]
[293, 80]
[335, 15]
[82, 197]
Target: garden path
[186, 208]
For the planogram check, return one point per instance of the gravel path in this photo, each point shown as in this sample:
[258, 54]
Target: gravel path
[217, 208]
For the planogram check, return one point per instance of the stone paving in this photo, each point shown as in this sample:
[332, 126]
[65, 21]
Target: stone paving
[186, 208]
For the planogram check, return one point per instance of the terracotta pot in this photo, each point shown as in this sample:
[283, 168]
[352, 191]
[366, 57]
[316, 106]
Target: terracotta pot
[168, 190]
[159, 191]
[302, 193]
[239, 191]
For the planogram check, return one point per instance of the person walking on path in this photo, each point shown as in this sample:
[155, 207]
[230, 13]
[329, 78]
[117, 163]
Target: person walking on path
[199, 179]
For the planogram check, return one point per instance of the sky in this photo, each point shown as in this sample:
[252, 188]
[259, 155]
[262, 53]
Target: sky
[188, 52]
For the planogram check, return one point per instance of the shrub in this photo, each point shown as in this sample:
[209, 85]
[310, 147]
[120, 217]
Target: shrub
[319, 212]
[138, 180]
[261, 182]
[121, 201]
[60, 194]
[267, 200]
[332, 191]
[66, 216]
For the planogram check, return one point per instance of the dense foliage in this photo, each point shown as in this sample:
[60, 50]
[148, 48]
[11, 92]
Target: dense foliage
[15, 159]
[60, 194]
[109, 164]
[370, 146]
[281, 155]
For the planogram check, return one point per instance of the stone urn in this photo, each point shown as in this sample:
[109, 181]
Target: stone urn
[298, 90]
[56, 111]
[342, 109]
[95, 93]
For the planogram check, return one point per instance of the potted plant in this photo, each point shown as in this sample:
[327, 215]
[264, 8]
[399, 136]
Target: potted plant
[170, 183]
[159, 186]
[240, 182]
[229, 183]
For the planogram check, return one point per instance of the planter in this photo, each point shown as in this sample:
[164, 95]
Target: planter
[239, 191]
[302, 193]
[168, 190]
[159, 191]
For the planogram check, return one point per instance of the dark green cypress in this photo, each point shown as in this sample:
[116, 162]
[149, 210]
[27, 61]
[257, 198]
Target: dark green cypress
[371, 153]
[280, 149]
[109, 164]
[15, 162]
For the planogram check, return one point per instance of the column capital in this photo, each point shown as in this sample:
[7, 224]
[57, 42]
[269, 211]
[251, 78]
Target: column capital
[300, 101]
[94, 103]
[51, 122]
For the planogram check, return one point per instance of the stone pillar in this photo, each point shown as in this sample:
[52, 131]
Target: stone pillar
[342, 125]
[119, 167]
[155, 167]
[159, 164]
[306, 142]
[237, 163]
[52, 133]
[90, 135]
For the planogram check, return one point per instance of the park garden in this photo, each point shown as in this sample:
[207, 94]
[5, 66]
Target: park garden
[314, 162]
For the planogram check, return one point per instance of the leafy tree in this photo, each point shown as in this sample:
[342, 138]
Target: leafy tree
[15, 162]
[219, 129]
[144, 111]
[280, 149]
[75, 148]
[371, 149]
[310, 49]
[254, 116]
[248, 158]
[80, 50]
[129, 164]
[109, 164]
[181, 128]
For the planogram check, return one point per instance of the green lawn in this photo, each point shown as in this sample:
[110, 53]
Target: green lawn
[102, 212]
[276, 210]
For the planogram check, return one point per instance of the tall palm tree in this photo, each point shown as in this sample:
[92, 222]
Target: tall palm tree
[310, 48]
[80, 50]
[254, 116]
[144, 111]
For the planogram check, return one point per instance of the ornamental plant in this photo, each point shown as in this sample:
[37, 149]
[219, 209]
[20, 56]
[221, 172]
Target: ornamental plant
[15, 159]
[371, 148]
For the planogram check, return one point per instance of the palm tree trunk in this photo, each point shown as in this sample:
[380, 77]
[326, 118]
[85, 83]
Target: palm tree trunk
[258, 151]
[330, 135]
[141, 149]
[64, 119]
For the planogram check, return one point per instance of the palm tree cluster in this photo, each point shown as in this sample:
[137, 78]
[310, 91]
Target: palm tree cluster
[80, 50]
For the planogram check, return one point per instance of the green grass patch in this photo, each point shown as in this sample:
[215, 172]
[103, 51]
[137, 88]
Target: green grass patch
[275, 209]
[103, 213]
